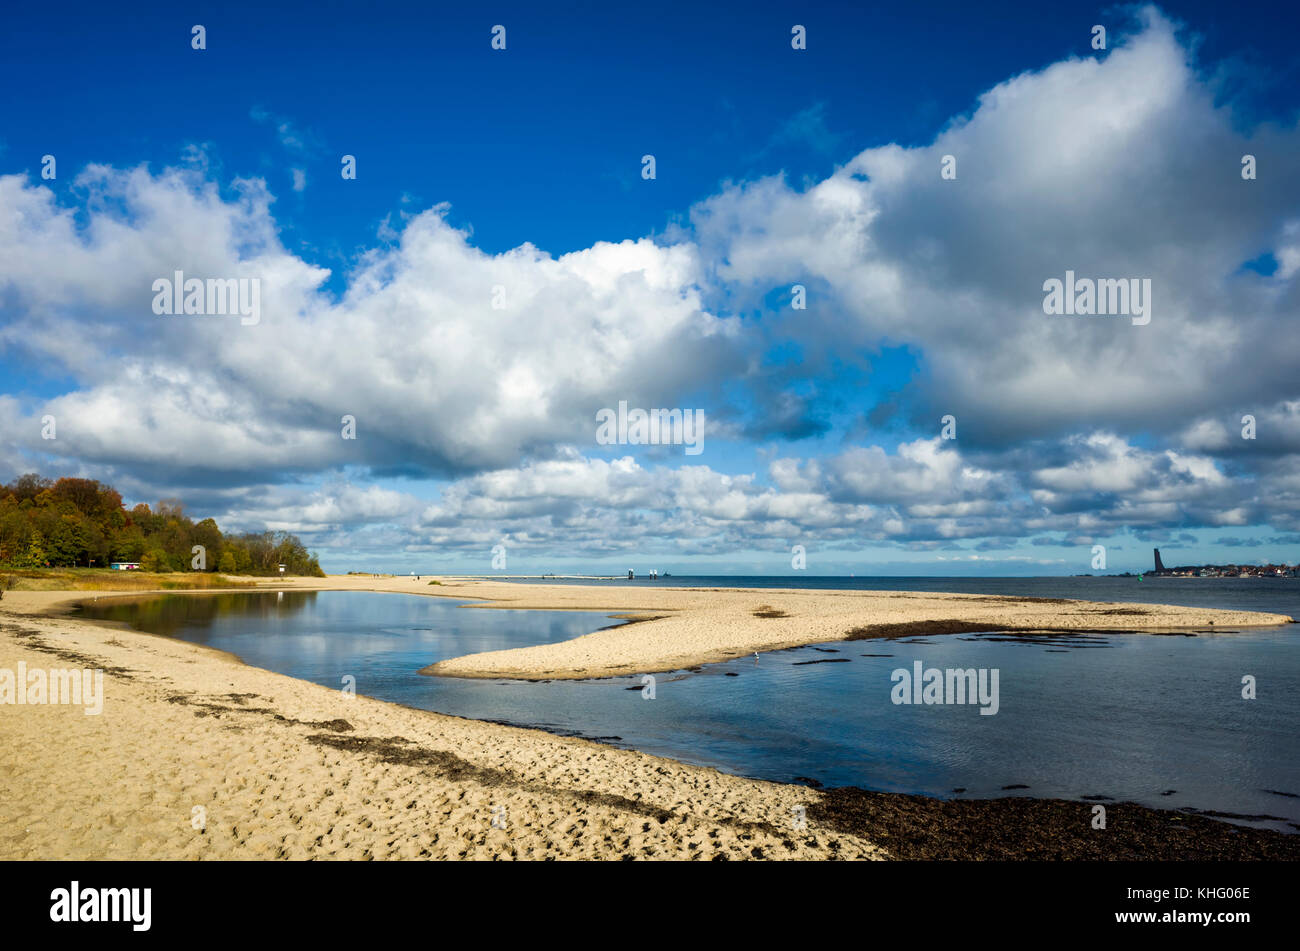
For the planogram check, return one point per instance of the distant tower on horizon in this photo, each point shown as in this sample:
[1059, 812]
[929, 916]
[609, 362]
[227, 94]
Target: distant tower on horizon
[1160, 565]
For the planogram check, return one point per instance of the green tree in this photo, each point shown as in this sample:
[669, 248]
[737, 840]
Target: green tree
[78, 521]
[128, 544]
[155, 559]
[207, 534]
[35, 556]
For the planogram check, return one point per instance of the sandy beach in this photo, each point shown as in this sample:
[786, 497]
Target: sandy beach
[287, 769]
[685, 627]
[197, 755]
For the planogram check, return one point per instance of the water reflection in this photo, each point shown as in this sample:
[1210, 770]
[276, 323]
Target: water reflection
[169, 614]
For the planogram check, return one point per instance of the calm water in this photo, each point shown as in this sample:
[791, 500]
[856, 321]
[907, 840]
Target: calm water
[1127, 717]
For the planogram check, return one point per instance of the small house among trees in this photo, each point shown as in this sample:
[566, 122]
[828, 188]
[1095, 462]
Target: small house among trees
[81, 522]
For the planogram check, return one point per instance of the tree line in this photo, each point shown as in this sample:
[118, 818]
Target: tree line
[83, 523]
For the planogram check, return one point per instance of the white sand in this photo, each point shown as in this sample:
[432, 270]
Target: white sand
[185, 727]
[695, 626]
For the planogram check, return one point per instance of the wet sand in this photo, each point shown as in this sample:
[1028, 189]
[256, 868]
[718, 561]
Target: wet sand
[1023, 828]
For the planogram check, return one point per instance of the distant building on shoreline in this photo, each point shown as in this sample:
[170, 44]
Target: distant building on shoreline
[1224, 571]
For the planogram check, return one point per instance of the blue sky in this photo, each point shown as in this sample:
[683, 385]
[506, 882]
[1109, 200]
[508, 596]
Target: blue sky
[521, 168]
